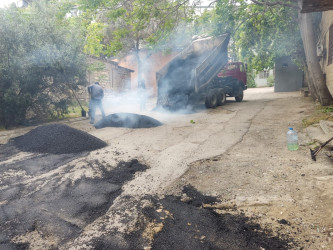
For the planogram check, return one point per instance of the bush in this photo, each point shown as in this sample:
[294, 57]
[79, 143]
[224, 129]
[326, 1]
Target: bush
[250, 81]
[40, 62]
[270, 81]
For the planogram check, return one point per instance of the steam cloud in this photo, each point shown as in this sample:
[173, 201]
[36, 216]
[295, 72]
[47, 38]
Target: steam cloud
[129, 101]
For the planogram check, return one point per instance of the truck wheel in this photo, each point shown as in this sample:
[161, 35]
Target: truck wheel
[211, 100]
[239, 96]
[221, 97]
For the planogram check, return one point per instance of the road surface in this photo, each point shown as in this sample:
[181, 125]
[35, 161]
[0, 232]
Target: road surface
[235, 154]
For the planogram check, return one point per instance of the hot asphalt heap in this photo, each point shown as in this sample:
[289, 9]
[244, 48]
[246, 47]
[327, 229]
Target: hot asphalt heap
[57, 139]
[128, 120]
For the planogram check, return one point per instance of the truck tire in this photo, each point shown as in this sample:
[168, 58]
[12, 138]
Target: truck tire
[211, 100]
[221, 97]
[239, 94]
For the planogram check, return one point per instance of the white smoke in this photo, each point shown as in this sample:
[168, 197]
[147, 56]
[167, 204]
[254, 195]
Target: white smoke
[129, 101]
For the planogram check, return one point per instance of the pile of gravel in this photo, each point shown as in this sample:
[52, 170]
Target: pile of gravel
[57, 139]
[127, 120]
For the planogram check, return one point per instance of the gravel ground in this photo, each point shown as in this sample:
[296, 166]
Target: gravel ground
[57, 139]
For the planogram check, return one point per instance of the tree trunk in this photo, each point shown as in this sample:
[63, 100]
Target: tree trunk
[2, 122]
[311, 86]
[316, 76]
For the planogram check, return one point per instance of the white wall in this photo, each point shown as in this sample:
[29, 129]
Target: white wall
[262, 82]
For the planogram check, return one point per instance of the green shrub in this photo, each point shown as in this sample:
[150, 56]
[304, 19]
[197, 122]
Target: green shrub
[250, 81]
[41, 60]
[270, 81]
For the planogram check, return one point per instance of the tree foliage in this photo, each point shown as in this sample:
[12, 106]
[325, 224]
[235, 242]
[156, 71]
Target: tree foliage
[263, 30]
[133, 24]
[260, 31]
[40, 61]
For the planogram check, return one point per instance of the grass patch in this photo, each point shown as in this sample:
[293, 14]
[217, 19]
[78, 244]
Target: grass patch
[311, 143]
[321, 113]
[75, 111]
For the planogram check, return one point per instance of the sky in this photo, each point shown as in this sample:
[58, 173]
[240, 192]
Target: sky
[5, 3]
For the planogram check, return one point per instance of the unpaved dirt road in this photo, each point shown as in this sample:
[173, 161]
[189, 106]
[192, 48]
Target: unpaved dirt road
[229, 161]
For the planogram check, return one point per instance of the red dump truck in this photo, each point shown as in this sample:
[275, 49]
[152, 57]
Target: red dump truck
[201, 72]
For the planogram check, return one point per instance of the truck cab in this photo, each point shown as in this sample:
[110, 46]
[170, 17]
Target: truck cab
[236, 70]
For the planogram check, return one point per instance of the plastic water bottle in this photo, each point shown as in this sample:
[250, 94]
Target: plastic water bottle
[292, 139]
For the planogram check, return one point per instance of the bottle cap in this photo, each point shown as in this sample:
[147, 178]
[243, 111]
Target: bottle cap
[290, 128]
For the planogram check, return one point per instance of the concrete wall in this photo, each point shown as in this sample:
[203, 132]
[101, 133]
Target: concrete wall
[288, 77]
[260, 80]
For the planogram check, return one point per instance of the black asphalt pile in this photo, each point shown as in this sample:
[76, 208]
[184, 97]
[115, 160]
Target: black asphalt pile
[57, 139]
[177, 83]
[59, 208]
[194, 226]
[188, 224]
[127, 120]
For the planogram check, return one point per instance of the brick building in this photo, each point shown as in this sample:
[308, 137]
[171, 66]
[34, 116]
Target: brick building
[110, 75]
[151, 63]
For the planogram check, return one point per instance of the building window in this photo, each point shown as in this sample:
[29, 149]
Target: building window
[330, 45]
[264, 74]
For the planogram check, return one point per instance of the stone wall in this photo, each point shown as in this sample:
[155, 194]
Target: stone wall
[122, 79]
[112, 78]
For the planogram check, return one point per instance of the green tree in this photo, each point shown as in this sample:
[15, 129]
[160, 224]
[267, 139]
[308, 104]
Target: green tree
[313, 72]
[41, 59]
[133, 25]
[260, 33]
[263, 30]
